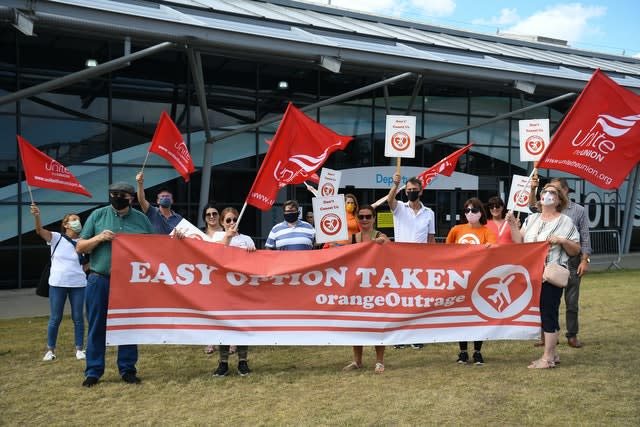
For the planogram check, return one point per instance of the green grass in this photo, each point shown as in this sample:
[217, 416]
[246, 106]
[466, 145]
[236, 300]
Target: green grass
[595, 385]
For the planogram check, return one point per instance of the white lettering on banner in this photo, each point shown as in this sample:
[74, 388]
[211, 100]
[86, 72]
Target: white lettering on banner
[328, 277]
[435, 278]
[392, 299]
[141, 273]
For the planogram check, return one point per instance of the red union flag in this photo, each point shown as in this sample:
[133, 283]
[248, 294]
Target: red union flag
[444, 167]
[598, 139]
[168, 143]
[299, 148]
[45, 172]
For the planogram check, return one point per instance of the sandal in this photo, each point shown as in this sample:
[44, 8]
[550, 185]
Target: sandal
[379, 368]
[542, 364]
[210, 349]
[351, 366]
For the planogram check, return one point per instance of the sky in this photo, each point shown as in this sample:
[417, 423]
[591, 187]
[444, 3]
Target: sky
[609, 26]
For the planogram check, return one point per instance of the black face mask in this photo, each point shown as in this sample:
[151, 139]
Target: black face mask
[413, 195]
[119, 203]
[291, 217]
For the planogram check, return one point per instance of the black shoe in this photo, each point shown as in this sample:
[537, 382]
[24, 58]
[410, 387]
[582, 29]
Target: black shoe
[223, 369]
[463, 358]
[131, 378]
[477, 358]
[417, 346]
[243, 368]
[400, 346]
[89, 382]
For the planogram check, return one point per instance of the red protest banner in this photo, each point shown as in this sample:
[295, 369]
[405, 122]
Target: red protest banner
[168, 143]
[42, 171]
[299, 148]
[193, 292]
[598, 139]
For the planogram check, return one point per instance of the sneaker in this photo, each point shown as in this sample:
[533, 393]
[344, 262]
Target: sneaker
[463, 358]
[89, 382]
[80, 355]
[417, 346]
[477, 358]
[223, 369]
[131, 378]
[243, 368]
[400, 346]
[49, 356]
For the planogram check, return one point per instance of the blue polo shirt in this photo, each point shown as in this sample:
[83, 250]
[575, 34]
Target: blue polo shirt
[107, 218]
[160, 223]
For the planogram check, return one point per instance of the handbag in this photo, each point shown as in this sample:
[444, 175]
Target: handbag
[43, 284]
[556, 274]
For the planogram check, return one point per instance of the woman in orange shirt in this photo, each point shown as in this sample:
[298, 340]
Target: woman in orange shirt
[473, 232]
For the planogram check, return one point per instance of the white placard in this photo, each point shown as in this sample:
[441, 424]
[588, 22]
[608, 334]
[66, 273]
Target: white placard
[330, 218]
[400, 137]
[329, 182]
[534, 139]
[519, 194]
[190, 231]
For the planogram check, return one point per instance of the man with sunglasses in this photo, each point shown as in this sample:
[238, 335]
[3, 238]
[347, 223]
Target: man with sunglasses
[163, 218]
[412, 221]
[96, 236]
[292, 234]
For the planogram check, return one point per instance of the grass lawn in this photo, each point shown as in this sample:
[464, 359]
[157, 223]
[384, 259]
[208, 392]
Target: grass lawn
[598, 384]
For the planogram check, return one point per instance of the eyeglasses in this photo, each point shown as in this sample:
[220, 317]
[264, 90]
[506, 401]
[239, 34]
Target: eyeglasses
[472, 210]
[211, 214]
[230, 220]
[365, 216]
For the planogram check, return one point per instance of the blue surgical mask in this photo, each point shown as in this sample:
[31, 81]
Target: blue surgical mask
[165, 201]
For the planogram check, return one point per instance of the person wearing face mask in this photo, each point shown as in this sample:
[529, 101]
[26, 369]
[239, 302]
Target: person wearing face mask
[412, 221]
[351, 207]
[67, 279]
[473, 232]
[163, 218]
[292, 234]
[95, 238]
[551, 226]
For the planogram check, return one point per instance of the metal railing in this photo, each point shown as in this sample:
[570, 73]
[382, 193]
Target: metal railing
[606, 247]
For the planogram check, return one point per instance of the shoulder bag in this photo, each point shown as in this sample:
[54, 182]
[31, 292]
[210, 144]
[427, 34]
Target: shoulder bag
[43, 284]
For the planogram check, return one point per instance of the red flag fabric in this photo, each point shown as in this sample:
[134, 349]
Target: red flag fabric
[168, 143]
[45, 172]
[299, 148]
[598, 139]
[444, 167]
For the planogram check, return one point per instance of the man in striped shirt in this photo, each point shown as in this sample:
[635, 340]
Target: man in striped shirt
[292, 234]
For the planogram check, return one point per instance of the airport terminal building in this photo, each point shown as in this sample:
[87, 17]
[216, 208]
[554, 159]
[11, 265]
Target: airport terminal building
[85, 81]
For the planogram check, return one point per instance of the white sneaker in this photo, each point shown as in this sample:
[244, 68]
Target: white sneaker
[49, 356]
[80, 355]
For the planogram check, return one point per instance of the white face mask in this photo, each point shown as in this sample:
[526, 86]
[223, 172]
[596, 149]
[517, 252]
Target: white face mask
[75, 225]
[548, 199]
[473, 218]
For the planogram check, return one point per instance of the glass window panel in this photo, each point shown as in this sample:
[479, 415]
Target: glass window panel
[440, 123]
[496, 133]
[489, 106]
[444, 104]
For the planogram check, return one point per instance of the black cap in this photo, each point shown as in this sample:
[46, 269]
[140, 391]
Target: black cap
[123, 187]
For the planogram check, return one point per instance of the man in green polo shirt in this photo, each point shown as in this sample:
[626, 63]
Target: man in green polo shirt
[96, 236]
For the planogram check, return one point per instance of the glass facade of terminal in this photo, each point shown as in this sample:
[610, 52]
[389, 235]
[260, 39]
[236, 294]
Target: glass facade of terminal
[101, 130]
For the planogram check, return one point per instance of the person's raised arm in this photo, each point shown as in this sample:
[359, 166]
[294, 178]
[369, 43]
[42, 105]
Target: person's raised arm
[391, 197]
[45, 234]
[516, 233]
[142, 200]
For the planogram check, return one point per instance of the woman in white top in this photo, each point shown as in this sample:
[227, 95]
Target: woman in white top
[66, 279]
[558, 230]
[231, 237]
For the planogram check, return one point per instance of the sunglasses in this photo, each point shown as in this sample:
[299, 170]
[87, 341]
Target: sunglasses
[365, 216]
[211, 214]
[472, 210]
[230, 220]
[495, 206]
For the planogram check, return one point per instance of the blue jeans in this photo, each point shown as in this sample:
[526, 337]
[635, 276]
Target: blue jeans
[57, 298]
[97, 298]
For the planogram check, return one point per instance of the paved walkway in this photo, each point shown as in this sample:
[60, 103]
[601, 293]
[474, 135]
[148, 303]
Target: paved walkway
[18, 303]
